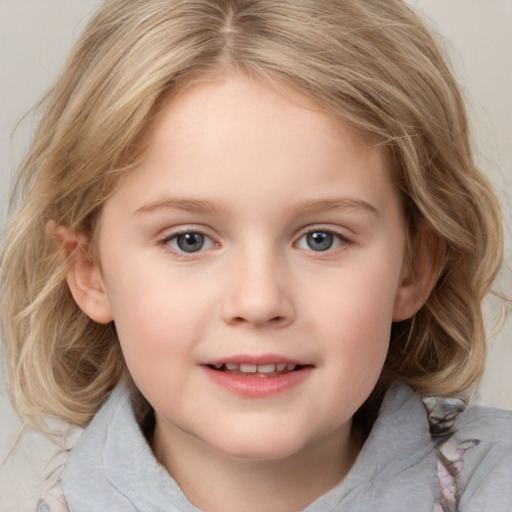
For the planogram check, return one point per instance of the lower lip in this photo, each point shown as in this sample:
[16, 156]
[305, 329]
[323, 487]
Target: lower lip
[258, 387]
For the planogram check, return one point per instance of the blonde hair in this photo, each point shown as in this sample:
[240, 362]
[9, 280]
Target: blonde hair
[371, 63]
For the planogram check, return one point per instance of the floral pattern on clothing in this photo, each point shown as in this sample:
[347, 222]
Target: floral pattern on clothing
[442, 413]
[53, 500]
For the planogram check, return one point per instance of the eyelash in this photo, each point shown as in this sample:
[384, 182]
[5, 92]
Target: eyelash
[342, 240]
[337, 238]
[166, 241]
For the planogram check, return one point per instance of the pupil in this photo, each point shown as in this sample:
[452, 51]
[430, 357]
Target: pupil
[320, 240]
[190, 242]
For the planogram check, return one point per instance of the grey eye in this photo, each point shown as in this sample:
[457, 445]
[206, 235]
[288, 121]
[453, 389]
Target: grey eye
[189, 242]
[320, 240]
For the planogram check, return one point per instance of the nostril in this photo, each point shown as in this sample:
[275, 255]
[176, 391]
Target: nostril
[256, 310]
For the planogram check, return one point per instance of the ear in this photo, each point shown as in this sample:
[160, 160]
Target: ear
[84, 274]
[419, 274]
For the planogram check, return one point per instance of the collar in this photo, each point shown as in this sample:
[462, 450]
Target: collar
[112, 466]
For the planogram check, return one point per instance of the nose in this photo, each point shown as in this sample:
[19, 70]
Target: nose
[259, 293]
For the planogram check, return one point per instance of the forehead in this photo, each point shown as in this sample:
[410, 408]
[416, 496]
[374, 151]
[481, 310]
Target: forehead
[238, 139]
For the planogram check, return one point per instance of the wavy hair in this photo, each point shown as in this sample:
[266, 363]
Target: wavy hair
[371, 63]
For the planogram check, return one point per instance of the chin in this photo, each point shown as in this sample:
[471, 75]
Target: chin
[269, 447]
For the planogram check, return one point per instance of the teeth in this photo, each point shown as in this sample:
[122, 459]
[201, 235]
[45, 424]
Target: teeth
[266, 368]
[253, 368]
[248, 368]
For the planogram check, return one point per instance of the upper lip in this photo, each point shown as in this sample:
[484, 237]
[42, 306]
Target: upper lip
[256, 360]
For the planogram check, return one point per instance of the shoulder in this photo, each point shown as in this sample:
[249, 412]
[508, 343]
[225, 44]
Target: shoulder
[483, 437]
[473, 445]
[486, 420]
[491, 431]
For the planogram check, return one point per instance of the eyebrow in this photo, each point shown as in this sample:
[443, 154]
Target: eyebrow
[343, 203]
[209, 206]
[176, 203]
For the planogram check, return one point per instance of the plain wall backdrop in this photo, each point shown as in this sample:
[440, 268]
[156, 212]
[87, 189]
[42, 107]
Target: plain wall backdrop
[35, 38]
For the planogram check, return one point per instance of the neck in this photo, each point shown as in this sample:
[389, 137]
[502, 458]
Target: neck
[217, 482]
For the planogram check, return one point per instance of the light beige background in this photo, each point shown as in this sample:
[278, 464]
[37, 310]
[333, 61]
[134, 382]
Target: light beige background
[35, 37]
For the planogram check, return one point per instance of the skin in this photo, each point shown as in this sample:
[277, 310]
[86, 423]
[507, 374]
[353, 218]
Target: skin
[254, 170]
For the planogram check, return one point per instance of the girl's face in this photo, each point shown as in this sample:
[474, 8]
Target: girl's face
[253, 265]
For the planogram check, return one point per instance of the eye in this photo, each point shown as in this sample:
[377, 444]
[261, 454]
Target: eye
[189, 242]
[321, 240]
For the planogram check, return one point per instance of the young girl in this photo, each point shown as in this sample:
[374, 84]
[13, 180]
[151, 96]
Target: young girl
[249, 259]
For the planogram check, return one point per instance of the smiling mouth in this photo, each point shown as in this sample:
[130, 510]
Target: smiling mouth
[257, 370]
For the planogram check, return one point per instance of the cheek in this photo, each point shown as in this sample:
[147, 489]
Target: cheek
[355, 301]
[153, 318]
[356, 316]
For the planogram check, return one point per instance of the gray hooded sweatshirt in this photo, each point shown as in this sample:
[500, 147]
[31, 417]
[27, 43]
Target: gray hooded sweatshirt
[420, 456]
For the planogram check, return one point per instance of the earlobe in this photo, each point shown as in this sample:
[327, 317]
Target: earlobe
[419, 275]
[83, 275]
